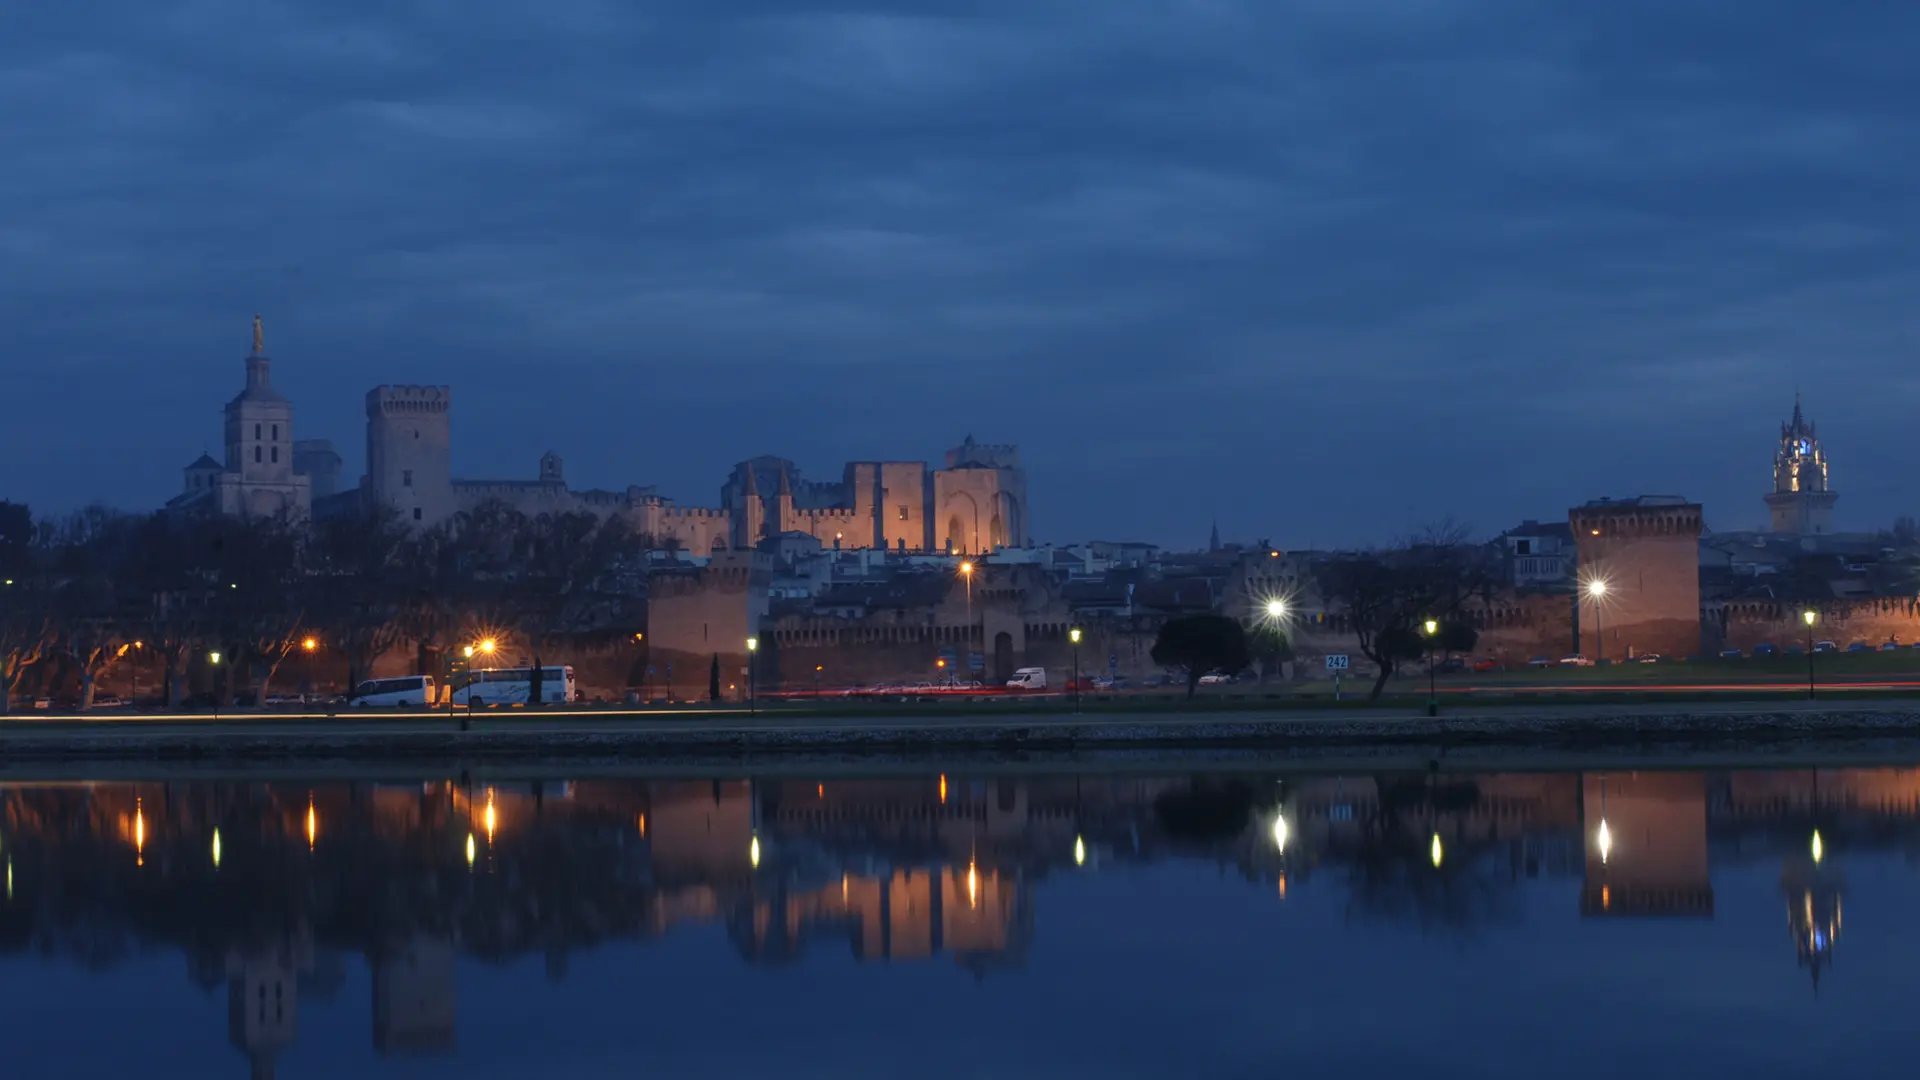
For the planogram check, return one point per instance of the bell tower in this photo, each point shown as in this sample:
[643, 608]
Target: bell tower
[1801, 501]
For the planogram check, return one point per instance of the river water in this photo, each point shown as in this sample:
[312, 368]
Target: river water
[1639, 924]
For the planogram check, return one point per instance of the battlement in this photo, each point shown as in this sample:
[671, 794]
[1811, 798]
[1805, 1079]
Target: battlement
[689, 513]
[979, 455]
[1646, 516]
[399, 400]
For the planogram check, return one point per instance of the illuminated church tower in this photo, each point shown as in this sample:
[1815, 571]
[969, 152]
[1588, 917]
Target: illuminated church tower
[1800, 501]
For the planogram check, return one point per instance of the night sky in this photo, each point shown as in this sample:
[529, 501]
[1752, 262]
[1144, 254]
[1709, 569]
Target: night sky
[1322, 269]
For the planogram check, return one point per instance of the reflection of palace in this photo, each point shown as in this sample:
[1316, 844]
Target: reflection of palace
[268, 889]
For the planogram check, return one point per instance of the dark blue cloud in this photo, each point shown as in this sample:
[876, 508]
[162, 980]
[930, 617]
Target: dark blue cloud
[1318, 268]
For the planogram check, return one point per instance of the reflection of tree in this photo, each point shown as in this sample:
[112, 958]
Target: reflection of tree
[1391, 875]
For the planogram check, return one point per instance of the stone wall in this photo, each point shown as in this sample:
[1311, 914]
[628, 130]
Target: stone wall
[1647, 557]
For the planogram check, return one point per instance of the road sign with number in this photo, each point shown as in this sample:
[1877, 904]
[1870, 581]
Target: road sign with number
[1337, 662]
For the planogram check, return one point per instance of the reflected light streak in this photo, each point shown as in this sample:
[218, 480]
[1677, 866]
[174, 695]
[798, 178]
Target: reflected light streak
[470, 851]
[1605, 841]
[943, 789]
[491, 818]
[1438, 853]
[216, 849]
[1819, 849]
[753, 853]
[313, 824]
[139, 834]
[1079, 851]
[1280, 832]
[973, 886]
[643, 826]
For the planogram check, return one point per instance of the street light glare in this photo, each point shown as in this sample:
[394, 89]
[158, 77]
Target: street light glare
[1596, 588]
[966, 567]
[1432, 627]
[1276, 609]
[310, 644]
[1808, 616]
[487, 646]
[1073, 635]
[753, 643]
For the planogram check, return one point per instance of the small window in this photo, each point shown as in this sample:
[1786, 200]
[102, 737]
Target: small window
[256, 455]
[1523, 547]
[276, 433]
[276, 455]
[903, 511]
[406, 477]
[256, 431]
[416, 513]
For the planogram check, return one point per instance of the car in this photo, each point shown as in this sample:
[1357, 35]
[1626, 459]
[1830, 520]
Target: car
[1576, 660]
[1452, 665]
[1889, 646]
[1764, 649]
[1729, 654]
[1215, 678]
[1103, 682]
[1648, 658]
[1486, 664]
[1540, 662]
[1825, 646]
[1859, 646]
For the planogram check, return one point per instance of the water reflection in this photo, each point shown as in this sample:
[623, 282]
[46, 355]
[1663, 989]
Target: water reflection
[269, 889]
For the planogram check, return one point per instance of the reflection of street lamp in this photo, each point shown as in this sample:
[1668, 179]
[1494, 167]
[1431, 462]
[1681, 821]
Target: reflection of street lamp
[1433, 693]
[1437, 853]
[1605, 841]
[1819, 849]
[753, 646]
[1597, 589]
[1280, 832]
[1809, 618]
[1073, 636]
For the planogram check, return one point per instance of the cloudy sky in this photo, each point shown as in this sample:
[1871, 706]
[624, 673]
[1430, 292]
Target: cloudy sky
[1322, 269]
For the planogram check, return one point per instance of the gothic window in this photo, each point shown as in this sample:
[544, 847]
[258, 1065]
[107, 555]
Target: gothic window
[406, 477]
[256, 455]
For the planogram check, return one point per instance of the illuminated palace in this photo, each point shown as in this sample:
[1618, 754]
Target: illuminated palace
[974, 503]
[1801, 501]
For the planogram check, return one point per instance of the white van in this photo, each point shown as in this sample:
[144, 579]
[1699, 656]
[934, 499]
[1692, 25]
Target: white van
[407, 690]
[1028, 678]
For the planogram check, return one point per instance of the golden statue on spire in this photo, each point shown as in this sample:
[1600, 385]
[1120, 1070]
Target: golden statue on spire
[259, 337]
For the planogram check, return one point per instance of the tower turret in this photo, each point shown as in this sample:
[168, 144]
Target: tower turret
[1801, 501]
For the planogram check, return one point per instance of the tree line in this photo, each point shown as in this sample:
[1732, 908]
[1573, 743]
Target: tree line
[80, 594]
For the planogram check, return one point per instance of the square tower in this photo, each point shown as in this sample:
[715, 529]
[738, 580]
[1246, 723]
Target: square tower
[1639, 576]
[410, 452]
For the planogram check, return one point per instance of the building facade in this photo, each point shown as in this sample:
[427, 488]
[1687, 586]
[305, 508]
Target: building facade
[1639, 576]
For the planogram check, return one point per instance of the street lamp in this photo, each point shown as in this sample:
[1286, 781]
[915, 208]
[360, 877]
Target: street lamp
[1433, 693]
[1809, 618]
[966, 571]
[1073, 636]
[1276, 609]
[307, 647]
[753, 646]
[1597, 589]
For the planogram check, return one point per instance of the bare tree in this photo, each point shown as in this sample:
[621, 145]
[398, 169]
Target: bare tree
[1386, 596]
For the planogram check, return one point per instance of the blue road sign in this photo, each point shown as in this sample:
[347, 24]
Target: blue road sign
[977, 661]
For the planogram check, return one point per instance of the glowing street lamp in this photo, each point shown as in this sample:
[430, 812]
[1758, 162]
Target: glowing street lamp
[1276, 609]
[1596, 591]
[1809, 618]
[1433, 692]
[753, 646]
[1074, 636]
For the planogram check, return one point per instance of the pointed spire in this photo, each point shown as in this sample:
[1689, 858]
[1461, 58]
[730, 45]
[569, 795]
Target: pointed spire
[259, 337]
[785, 490]
[1213, 540]
[1798, 420]
[753, 489]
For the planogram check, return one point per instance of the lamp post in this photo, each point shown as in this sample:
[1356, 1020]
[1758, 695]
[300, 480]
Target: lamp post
[306, 668]
[1433, 692]
[753, 646]
[133, 696]
[1596, 590]
[214, 659]
[966, 571]
[1809, 618]
[1073, 636]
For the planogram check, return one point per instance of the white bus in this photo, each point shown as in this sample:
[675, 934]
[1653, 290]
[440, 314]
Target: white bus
[511, 686]
[409, 690]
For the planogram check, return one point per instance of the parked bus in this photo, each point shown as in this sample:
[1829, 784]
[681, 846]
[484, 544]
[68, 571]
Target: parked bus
[407, 690]
[512, 686]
